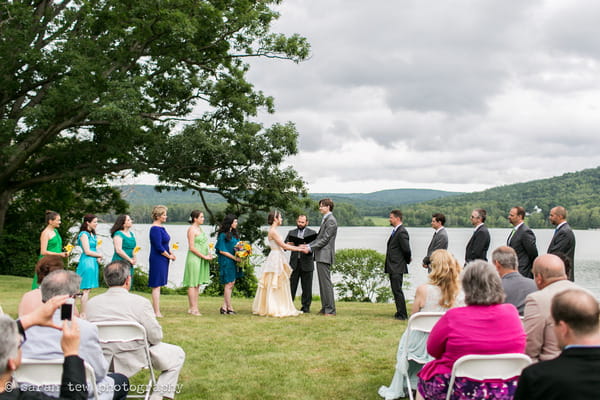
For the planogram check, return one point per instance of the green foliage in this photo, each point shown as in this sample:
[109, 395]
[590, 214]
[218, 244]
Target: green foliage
[89, 90]
[362, 275]
[244, 287]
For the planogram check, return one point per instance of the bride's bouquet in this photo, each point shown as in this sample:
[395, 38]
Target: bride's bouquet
[243, 250]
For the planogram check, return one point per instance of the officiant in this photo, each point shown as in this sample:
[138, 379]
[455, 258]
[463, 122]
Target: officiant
[302, 264]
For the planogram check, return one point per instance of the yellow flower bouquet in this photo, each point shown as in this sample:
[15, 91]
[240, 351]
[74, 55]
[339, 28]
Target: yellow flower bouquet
[243, 250]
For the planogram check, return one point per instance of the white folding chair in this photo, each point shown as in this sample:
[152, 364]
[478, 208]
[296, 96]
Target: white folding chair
[418, 322]
[49, 372]
[491, 366]
[127, 331]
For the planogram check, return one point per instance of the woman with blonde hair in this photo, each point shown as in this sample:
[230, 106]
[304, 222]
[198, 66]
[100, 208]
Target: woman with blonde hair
[440, 293]
[160, 256]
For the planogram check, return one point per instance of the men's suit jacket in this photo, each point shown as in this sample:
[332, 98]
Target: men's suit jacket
[398, 254]
[517, 288]
[297, 258]
[573, 375]
[523, 242]
[539, 325]
[117, 304]
[43, 343]
[478, 245]
[563, 241]
[323, 247]
[438, 241]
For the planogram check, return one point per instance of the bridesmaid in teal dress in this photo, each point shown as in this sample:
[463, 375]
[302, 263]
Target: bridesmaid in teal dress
[228, 270]
[50, 241]
[196, 263]
[88, 261]
[124, 242]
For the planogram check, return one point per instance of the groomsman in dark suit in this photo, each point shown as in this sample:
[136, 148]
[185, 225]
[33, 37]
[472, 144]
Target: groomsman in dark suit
[439, 239]
[323, 248]
[480, 241]
[522, 240]
[302, 264]
[397, 258]
[563, 240]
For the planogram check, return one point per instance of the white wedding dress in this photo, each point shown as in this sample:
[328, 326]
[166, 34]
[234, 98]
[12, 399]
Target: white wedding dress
[274, 297]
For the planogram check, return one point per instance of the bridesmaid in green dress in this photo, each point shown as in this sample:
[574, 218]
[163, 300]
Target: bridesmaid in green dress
[50, 240]
[124, 242]
[196, 263]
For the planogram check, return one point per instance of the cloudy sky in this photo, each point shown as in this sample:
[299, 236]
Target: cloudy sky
[453, 95]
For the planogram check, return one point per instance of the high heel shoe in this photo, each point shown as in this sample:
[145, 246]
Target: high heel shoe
[222, 310]
[231, 312]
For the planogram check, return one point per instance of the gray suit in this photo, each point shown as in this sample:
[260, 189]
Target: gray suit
[563, 241]
[523, 242]
[117, 304]
[323, 248]
[303, 266]
[517, 287]
[438, 241]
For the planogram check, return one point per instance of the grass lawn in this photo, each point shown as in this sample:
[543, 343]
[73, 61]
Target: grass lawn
[249, 357]
[379, 221]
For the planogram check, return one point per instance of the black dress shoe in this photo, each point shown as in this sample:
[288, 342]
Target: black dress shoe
[305, 310]
[400, 318]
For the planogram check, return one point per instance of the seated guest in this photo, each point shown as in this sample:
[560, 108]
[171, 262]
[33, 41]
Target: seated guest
[484, 326]
[13, 335]
[550, 277]
[516, 286]
[33, 299]
[117, 304]
[43, 343]
[438, 295]
[573, 374]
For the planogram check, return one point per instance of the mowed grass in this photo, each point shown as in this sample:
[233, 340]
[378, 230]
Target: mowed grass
[249, 357]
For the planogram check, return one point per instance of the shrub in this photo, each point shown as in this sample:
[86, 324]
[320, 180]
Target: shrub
[362, 276]
[244, 287]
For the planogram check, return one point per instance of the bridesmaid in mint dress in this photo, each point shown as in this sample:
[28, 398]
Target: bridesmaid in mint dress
[50, 241]
[88, 261]
[196, 263]
[124, 242]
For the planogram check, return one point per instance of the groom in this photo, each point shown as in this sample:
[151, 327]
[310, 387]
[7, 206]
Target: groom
[323, 248]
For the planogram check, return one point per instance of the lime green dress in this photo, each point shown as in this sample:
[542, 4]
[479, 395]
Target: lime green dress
[196, 268]
[55, 245]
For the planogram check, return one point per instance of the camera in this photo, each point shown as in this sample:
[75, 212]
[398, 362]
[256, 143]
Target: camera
[66, 310]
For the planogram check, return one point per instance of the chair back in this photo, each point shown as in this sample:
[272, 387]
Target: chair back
[418, 322]
[128, 331]
[491, 366]
[49, 372]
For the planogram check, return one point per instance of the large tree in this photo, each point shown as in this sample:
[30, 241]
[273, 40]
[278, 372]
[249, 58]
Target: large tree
[94, 87]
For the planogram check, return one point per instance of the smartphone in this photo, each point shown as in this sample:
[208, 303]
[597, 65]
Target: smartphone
[66, 310]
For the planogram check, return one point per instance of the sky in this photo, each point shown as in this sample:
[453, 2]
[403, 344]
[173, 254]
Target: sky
[458, 95]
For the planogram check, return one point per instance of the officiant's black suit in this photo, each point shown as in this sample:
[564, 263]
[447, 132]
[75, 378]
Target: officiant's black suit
[303, 266]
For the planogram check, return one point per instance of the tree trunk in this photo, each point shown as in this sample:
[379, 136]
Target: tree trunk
[5, 198]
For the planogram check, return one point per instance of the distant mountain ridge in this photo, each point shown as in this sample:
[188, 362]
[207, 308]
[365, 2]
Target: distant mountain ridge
[147, 195]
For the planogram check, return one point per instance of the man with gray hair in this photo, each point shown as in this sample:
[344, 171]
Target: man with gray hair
[550, 278]
[516, 286]
[478, 245]
[117, 304]
[573, 374]
[44, 342]
[13, 336]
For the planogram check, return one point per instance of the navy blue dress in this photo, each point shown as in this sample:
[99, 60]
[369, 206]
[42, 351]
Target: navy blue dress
[228, 270]
[159, 264]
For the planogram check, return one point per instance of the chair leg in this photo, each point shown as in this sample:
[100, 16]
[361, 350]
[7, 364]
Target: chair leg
[408, 388]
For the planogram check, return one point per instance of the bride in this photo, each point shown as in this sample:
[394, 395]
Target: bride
[273, 297]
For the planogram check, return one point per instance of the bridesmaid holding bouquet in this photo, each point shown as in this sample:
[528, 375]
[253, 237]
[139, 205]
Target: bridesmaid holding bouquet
[51, 243]
[196, 263]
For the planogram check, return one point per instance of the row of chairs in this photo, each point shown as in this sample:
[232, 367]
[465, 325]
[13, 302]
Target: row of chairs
[49, 372]
[473, 366]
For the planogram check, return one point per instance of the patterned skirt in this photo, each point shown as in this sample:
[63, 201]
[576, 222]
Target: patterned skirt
[468, 389]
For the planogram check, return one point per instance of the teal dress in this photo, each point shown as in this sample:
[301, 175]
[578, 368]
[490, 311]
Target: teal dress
[88, 266]
[54, 245]
[228, 270]
[128, 245]
[196, 268]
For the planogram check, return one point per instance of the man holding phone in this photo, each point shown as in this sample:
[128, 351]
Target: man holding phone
[44, 342]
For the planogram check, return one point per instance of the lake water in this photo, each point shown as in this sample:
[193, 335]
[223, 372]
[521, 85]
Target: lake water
[587, 256]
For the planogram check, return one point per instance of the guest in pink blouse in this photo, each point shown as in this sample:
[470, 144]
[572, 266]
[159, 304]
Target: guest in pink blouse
[484, 326]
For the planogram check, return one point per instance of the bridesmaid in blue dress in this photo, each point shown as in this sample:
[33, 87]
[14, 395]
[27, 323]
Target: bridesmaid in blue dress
[228, 270]
[160, 256]
[88, 261]
[124, 242]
